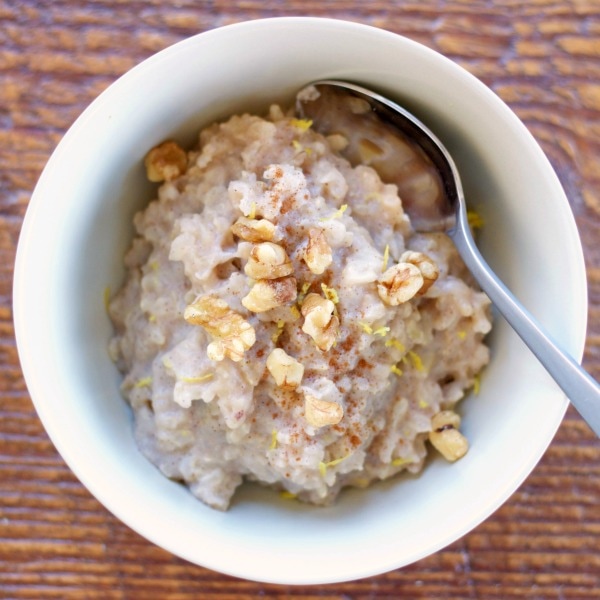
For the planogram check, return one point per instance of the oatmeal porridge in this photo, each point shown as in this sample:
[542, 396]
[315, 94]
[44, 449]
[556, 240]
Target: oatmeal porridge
[282, 322]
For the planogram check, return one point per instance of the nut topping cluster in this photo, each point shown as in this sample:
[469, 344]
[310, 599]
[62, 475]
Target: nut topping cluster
[253, 230]
[428, 269]
[267, 294]
[285, 369]
[414, 274]
[320, 320]
[268, 261]
[165, 162]
[273, 284]
[317, 254]
[232, 334]
[445, 436]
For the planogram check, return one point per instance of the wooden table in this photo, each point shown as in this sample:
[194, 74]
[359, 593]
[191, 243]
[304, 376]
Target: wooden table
[541, 56]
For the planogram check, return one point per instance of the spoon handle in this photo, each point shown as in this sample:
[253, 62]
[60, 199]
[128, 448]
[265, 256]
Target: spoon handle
[582, 390]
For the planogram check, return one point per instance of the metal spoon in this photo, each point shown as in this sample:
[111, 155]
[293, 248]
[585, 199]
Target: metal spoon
[391, 139]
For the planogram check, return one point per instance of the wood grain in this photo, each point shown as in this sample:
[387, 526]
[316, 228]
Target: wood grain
[56, 541]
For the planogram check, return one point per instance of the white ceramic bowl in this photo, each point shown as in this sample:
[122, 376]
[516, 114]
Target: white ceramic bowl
[78, 226]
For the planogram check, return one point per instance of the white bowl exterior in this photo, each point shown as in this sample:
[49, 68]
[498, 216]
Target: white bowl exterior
[78, 226]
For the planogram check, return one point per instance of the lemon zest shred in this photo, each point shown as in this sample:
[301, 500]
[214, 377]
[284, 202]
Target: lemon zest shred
[287, 495]
[273, 444]
[152, 318]
[295, 312]
[154, 265]
[363, 482]
[415, 359]
[143, 382]
[337, 461]
[386, 258]
[396, 370]
[303, 291]
[323, 466]
[398, 462]
[475, 219]
[198, 379]
[252, 213]
[381, 331]
[330, 293]
[366, 327]
[106, 298]
[298, 147]
[277, 333]
[423, 404]
[302, 124]
[476, 384]
[338, 213]
[462, 334]
[393, 342]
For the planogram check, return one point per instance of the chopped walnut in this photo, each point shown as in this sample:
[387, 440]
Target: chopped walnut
[270, 293]
[319, 412]
[399, 283]
[165, 162]
[285, 369]
[232, 334]
[429, 270]
[320, 321]
[317, 254]
[253, 230]
[445, 436]
[268, 261]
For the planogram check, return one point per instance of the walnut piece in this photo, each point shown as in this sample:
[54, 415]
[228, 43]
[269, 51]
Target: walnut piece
[285, 369]
[268, 261]
[425, 264]
[319, 412]
[445, 436]
[165, 162]
[270, 293]
[399, 283]
[320, 321]
[232, 334]
[253, 230]
[317, 254]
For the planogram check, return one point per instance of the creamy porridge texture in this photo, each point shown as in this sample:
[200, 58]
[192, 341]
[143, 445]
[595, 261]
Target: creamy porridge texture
[281, 321]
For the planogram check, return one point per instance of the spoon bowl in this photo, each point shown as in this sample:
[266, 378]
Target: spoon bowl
[376, 129]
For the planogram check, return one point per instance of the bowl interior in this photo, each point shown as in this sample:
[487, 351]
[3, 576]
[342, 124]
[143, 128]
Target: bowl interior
[78, 227]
